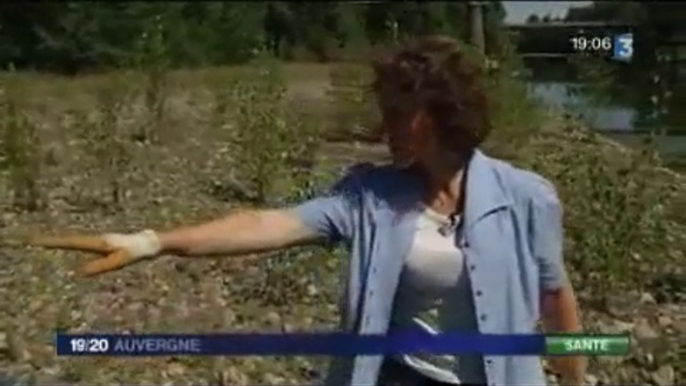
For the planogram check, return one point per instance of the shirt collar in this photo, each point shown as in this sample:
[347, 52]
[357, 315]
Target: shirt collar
[484, 189]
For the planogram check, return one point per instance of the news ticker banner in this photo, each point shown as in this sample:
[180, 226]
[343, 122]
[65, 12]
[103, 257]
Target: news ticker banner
[338, 344]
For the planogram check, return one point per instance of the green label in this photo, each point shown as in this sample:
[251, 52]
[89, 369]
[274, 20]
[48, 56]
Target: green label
[587, 344]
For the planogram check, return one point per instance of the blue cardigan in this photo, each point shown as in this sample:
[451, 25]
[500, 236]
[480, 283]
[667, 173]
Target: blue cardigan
[512, 241]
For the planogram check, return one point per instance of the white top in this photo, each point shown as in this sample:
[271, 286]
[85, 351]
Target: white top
[433, 269]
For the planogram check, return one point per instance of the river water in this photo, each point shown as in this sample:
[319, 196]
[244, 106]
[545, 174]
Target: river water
[621, 121]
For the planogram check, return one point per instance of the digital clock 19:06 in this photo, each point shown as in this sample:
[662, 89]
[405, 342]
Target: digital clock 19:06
[590, 44]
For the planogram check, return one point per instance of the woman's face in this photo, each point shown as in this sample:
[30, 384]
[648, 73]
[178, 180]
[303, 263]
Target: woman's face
[406, 134]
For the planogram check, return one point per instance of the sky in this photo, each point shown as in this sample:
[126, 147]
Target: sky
[518, 11]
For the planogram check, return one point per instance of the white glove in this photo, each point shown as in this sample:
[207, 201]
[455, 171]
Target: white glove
[119, 250]
[139, 245]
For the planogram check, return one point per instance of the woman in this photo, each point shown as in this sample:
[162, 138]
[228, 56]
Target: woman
[443, 239]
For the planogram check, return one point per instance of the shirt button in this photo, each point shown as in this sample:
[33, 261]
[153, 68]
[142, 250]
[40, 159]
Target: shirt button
[479, 293]
[472, 267]
[483, 317]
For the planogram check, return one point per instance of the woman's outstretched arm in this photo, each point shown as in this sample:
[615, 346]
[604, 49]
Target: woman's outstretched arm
[326, 217]
[237, 234]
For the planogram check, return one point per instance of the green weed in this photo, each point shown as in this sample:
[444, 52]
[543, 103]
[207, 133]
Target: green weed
[105, 140]
[616, 208]
[353, 108]
[20, 153]
[271, 142]
[152, 58]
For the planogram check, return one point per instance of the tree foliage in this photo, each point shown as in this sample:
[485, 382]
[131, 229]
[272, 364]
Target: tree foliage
[75, 36]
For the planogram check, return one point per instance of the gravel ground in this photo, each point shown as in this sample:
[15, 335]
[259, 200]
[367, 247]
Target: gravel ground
[172, 184]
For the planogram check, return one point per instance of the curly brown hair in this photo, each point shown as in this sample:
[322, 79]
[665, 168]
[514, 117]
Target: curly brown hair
[432, 75]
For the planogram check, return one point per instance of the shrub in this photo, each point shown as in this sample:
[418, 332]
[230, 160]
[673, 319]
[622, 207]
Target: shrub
[616, 207]
[105, 139]
[352, 104]
[619, 232]
[152, 58]
[272, 144]
[514, 116]
[20, 153]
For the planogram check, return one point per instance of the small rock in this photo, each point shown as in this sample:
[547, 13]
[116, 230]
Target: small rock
[272, 379]
[252, 271]
[42, 356]
[52, 370]
[617, 327]
[664, 376]
[604, 378]
[76, 314]
[610, 360]
[591, 379]
[176, 369]
[647, 298]
[643, 331]
[312, 290]
[134, 307]
[664, 321]
[274, 318]
[229, 317]
[35, 305]
[4, 346]
[287, 327]
[620, 305]
[233, 376]
[551, 379]
[648, 359]
[8, 218]
[15, 348]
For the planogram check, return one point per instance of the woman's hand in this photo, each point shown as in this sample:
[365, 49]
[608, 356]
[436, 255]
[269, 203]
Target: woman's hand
[560, 311]
[119, 250]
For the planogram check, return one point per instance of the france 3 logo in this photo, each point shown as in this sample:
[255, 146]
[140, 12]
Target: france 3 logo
[623, 47]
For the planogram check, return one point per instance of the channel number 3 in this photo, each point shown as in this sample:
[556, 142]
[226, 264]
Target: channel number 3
[624, 47]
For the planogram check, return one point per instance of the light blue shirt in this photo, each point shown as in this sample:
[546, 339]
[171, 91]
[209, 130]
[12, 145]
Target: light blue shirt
[511, 239]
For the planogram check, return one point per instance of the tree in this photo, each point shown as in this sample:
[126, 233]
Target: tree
[73, 36]
[533, 18]
[280, 26]
[496, 34]
[316, 26]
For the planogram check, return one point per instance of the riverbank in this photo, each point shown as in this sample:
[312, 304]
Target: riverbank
[624, 219]
[616, 113]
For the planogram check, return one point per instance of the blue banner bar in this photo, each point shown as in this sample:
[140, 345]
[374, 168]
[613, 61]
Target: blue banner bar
[334, 344]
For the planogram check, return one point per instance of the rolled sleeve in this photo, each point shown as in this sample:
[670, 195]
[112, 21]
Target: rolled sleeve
[332, 215]
[547, 238]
